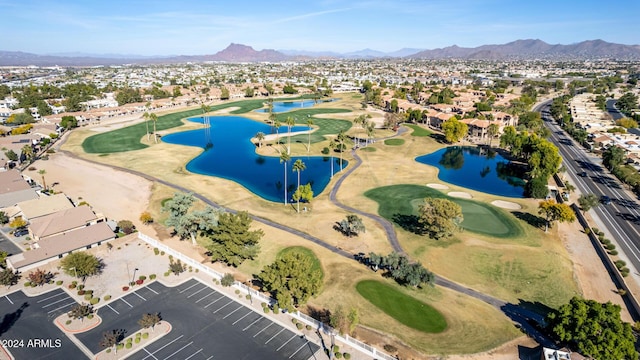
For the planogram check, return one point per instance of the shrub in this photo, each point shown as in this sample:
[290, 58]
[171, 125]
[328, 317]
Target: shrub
[81, 292]
[107, 297]
[80, 287]
[162, 253]
[152, 276]
[390, 348]
[621, 292]
[263, 304]
[167, 273]
[596, 231]
[610, 247]
[624, 272]
[325, 150]
[68, 322]
[146, 218]
[126, 226]
[142, 277]
[139, 281]
[137, 340]
[613, 252]
[90, 316]
[108, 350]
[125, 288]
[87, 296]
[338, 355]
[237, 291]
[227, 280]
[145, 335]
[94, 300]
[120, 346]
[308, 327]
[129, 345]
[266, 310]
[59, 282]
[156, 251]
[27, 284]
[72, 286]
[346, 355]
[299, 326]
[248, 297]
[620, 264]
[335, 348]
[294, 320]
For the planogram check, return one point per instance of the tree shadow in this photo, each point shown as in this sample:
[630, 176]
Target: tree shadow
[533, 220]
[439, 138]
[409, 223]
[526, 353]
[11, 318]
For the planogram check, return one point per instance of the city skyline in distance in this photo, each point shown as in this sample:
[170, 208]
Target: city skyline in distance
[193, 27]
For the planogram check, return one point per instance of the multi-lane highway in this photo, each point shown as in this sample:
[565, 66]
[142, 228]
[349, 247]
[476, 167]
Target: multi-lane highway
[622, 216]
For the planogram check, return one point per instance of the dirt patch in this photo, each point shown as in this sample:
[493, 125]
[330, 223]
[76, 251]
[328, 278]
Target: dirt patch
[506, 205]
[460, 194]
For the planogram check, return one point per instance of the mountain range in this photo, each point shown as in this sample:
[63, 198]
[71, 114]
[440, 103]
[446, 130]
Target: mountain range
[519, 49]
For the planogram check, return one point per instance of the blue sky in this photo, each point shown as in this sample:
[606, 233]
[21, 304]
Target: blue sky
[195, 27]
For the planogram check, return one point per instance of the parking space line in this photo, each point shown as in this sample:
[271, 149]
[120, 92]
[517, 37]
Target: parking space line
[61, 307]
[263, 329]
[204, 288]
[9, 300]
[216, 300]
[51, 297]
[114, 310]
[125, 301]
[281, 346]
[194, 354]
[150, 354]
[177, 351]
[223, 306]
[55, 302]
[153, 291]
[300, 348]
[140, 296]
[281, 330]
[245, 315]
[206, 296]
[209, 358]
[229, 314]
[250, 325]
[165, 345]
[197, 283]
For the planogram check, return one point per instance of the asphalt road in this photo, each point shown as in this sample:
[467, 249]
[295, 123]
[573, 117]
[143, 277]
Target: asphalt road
[622, 217]
[612, 110]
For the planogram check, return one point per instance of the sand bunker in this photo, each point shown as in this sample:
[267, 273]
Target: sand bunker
[438, 186]
[226, 110]
[506, 205]
[460, 194]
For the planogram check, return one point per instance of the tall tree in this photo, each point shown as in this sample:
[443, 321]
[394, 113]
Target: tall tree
[146, 117]
[81, 265]
[440, 217]
[154, 118]
[613, 157]
[341, 138]
[260, 138]
[42, 172]
[284, 158]
[112, 338]
[290, 122]
[309, 124]
[292, 278]
[492, 131]
[553, 211]
[8, 277]
[298, 166]
[588, 201]
[304, 192]
[232, 241]
[149, 320]
[80, 311]
[594, 329]
[177, 207]
[454, 130]
[276, 125]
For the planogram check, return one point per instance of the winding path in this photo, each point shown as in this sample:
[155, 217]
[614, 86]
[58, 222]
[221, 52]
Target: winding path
[516, 313]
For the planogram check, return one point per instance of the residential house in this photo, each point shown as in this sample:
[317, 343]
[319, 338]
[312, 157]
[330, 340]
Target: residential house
[14, 189]
[62, 221]
[33, 209]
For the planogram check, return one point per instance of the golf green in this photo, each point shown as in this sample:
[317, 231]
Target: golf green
[398, 202]
[406, 309]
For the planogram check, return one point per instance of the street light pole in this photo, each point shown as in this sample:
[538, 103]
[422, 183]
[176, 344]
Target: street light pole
[134, 275]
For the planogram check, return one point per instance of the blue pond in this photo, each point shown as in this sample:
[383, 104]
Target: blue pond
[284, 106]
[484, 171]
[230, 154]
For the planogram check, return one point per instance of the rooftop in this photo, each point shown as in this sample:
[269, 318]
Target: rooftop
[45, 205]
[61, 221]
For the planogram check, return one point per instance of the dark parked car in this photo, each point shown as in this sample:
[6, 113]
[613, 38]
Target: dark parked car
[605, 200]
[583, 174]
[20, 232]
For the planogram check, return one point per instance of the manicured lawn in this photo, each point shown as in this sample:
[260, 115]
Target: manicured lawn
[304, 251]
[128, 138]
[394, 142]
[418, 130]
[407, 310]
[399, 203]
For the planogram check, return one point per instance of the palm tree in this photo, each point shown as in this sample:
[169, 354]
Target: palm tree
[44, 183]
[260, 137]
[492, 131]
[371, 127]
[154, 118]
[276, 125]
[146, 116]
[333, 146]
[309, 123]
[290, 123]
[341, 139]
[299, 166]
[283, 160]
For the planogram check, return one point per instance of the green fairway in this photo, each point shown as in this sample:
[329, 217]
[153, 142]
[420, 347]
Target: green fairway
[407, 310]
[128, 138]
[394, 142]
[368, 149]
[399, 203]
[304, 251]
[418, 131]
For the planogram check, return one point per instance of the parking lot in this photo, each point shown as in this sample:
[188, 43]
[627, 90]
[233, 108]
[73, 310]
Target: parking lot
[27, 329]
[206, 325]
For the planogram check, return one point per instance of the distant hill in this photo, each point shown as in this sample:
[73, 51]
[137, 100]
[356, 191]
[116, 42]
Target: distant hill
[535, 49]
[519, 49]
